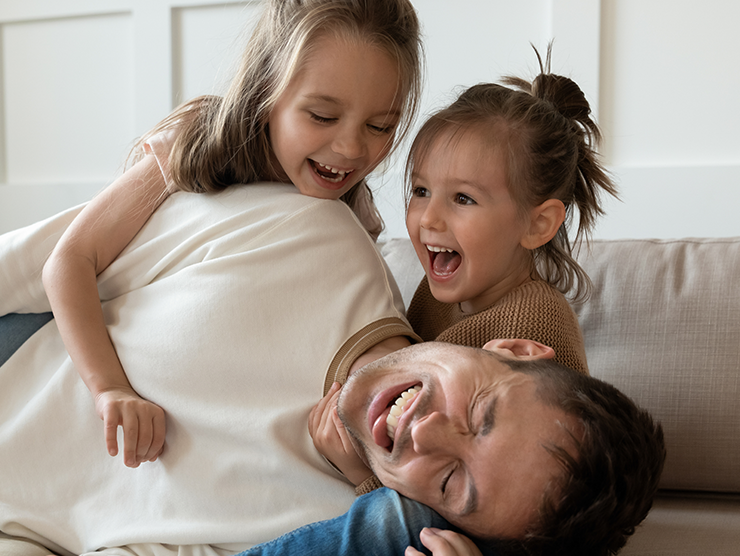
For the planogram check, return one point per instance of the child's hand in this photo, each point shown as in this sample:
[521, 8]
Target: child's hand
[445, 543]
[331, 438]
[142, 421]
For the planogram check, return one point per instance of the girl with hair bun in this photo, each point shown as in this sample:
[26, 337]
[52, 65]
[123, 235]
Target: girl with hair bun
[495, 182]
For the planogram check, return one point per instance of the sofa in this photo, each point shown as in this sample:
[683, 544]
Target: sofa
[663, 325]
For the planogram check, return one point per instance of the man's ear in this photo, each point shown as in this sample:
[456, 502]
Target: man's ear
[523, 350]
[545, 221]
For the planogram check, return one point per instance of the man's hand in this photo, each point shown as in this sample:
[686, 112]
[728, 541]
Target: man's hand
[331, 438]
[445, 543]
[142, 421]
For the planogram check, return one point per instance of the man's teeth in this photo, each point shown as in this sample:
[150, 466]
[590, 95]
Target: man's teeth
[435, 249]
[397, 410]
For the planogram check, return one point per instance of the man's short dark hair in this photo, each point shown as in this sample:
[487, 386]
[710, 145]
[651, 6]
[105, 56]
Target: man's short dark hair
[609, 487]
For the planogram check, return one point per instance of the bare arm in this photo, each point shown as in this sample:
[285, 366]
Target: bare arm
[93, 240]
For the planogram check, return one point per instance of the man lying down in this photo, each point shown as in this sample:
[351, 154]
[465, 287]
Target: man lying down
[523, 454]
[514, 450]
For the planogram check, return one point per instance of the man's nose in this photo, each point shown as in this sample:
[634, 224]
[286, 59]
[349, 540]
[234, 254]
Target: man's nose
[435, 434]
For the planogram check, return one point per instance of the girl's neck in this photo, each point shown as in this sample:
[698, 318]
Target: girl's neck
[495, 294]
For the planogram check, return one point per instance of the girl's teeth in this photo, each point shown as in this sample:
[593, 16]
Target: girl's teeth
[435, 249]
[332, 170]
[397, 410]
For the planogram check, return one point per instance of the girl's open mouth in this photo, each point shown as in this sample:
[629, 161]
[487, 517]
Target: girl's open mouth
[443, 261]
[329, 173]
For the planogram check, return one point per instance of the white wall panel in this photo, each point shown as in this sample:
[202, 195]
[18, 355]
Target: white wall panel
[473, 41]
[669, 85]
[68, 105]
[207, 46]
[661, 75]
[672, 82]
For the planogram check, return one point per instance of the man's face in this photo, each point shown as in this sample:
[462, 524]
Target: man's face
[471, 443]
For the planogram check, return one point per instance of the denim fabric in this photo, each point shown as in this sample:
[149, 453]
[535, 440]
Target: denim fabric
[16, 328]
[381, 523]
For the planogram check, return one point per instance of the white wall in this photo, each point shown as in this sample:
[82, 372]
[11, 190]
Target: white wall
[80, 79]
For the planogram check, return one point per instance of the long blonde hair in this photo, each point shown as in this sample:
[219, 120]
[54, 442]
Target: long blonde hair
[223, 141]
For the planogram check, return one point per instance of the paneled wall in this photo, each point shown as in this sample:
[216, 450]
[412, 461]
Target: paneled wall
[80, 79]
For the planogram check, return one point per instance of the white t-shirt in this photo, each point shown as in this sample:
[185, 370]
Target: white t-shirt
[230, 311]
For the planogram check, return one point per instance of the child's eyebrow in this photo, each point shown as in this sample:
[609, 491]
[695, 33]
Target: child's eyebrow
[328, 99]
[324, 98]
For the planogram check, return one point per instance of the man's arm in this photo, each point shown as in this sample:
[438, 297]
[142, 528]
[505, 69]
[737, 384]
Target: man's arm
[381, 349]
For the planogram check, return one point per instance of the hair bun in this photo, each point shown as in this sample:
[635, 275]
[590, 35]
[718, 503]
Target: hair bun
[564, 94]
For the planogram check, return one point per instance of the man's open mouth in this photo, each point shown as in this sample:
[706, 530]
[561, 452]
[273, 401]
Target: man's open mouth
[443, 261]
[397, 410]
[329, 173]
[386, 420]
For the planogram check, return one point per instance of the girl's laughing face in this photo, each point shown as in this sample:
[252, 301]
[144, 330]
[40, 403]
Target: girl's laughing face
[336, 120]
[465, 226]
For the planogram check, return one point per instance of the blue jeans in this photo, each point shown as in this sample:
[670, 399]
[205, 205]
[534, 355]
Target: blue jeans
[16, 328]
[381, 523]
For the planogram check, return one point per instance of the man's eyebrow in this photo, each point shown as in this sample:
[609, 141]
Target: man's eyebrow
[489, 417]
[471, 503]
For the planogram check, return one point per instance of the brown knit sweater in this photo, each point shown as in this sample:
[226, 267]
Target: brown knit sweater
[533, 311]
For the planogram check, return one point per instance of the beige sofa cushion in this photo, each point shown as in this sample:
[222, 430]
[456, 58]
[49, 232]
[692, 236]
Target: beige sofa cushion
[403, 263]
[688, 526]
[663, 325]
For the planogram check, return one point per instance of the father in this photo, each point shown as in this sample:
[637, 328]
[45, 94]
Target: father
[529, 456]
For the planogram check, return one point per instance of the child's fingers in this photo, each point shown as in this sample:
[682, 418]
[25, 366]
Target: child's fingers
[151, 432]
[130, 438]
[342, 432]
[318, 409]
[448, 543]
[411, 551]
[159, 429]
[144, 439]
[111, 420]
[318, 416]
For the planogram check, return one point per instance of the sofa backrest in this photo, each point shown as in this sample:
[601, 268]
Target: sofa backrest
[663, 325]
